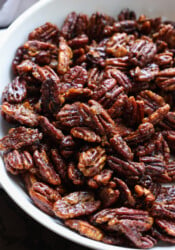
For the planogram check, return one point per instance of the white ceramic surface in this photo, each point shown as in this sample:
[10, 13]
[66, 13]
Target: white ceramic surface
[55, 11]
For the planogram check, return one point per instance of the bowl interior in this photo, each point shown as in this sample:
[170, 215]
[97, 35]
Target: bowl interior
[55, 11]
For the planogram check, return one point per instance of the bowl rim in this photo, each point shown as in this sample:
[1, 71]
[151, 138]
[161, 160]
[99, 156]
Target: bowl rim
[24, 202]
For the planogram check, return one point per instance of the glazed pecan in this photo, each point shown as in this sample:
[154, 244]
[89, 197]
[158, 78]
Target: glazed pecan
[76, 204]
[74, 25]
[158, 115]
[164, 60]
[142, 52]
[166, 33]
[107, 92]
[164, 205]
[126, 14]
[85, 134]
[59, 165]
[94, 78]
[22, 113]
[133, 111]
[16, 161]
[19, 137]
[143, 133]
[108, 196]
[15, 92]
[46, 169]
[120, 63]
[121, 147]
[42, 53]
[128, 26]
[126, 168]
[166, 79]
[121, 78]
[152, 101]
[47, 32]
[146, 74]
[75, 175]
[86, 229]
[97, 23]
[64, 56]
[101, 179]
[67, 146]
[131, 222]
[44, 196]
[50, 130]
[92, 161]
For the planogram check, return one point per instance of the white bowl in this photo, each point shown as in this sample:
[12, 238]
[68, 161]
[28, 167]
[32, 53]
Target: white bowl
[55, 11]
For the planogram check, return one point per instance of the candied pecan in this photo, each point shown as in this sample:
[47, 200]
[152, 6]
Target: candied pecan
[44, 196]
[19, 137]
[96, 54]
[50, 101]
[74, 25]
[126, 196]
[126, 168]
[166, 226]
[59, 165]
[133, 111]
[166, 33]
[97, 23]
[15, 92]
[144, 192]
[143, 133]
[142, 52]
[76, 77]
[98, 118]
[166, 79]
[121, 147]
[64, 56]
[22, 113]
[152, 101]
[126, 14]
[94, 78]
[16, 161]
[79, 41]
[146, 74]
[29, 179]
[164, 205]
[107, 92]
[92, 161]
[128, 26]
[164, 60]
[170, 167]
[168, 122]
[131, 222]
[154, 166]
[67, 146]
[46, 169]
[163, 236]
[85, 134]
[47, 32]
[121, 78]
[75, 175]
[69, 115]
[38, 52]
[101, 179]
[86, 229]
[157, 145]
[117, 109]
[120, 63]
[50, 130]
[158, 115]
[76, 204]
[108, 196]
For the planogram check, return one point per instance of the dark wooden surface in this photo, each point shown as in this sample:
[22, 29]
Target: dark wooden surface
[20, 232]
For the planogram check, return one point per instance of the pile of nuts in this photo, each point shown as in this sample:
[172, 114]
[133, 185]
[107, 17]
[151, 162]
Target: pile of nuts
[94, 108]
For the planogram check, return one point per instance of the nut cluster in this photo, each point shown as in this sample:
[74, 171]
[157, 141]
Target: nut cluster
[94, 109]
